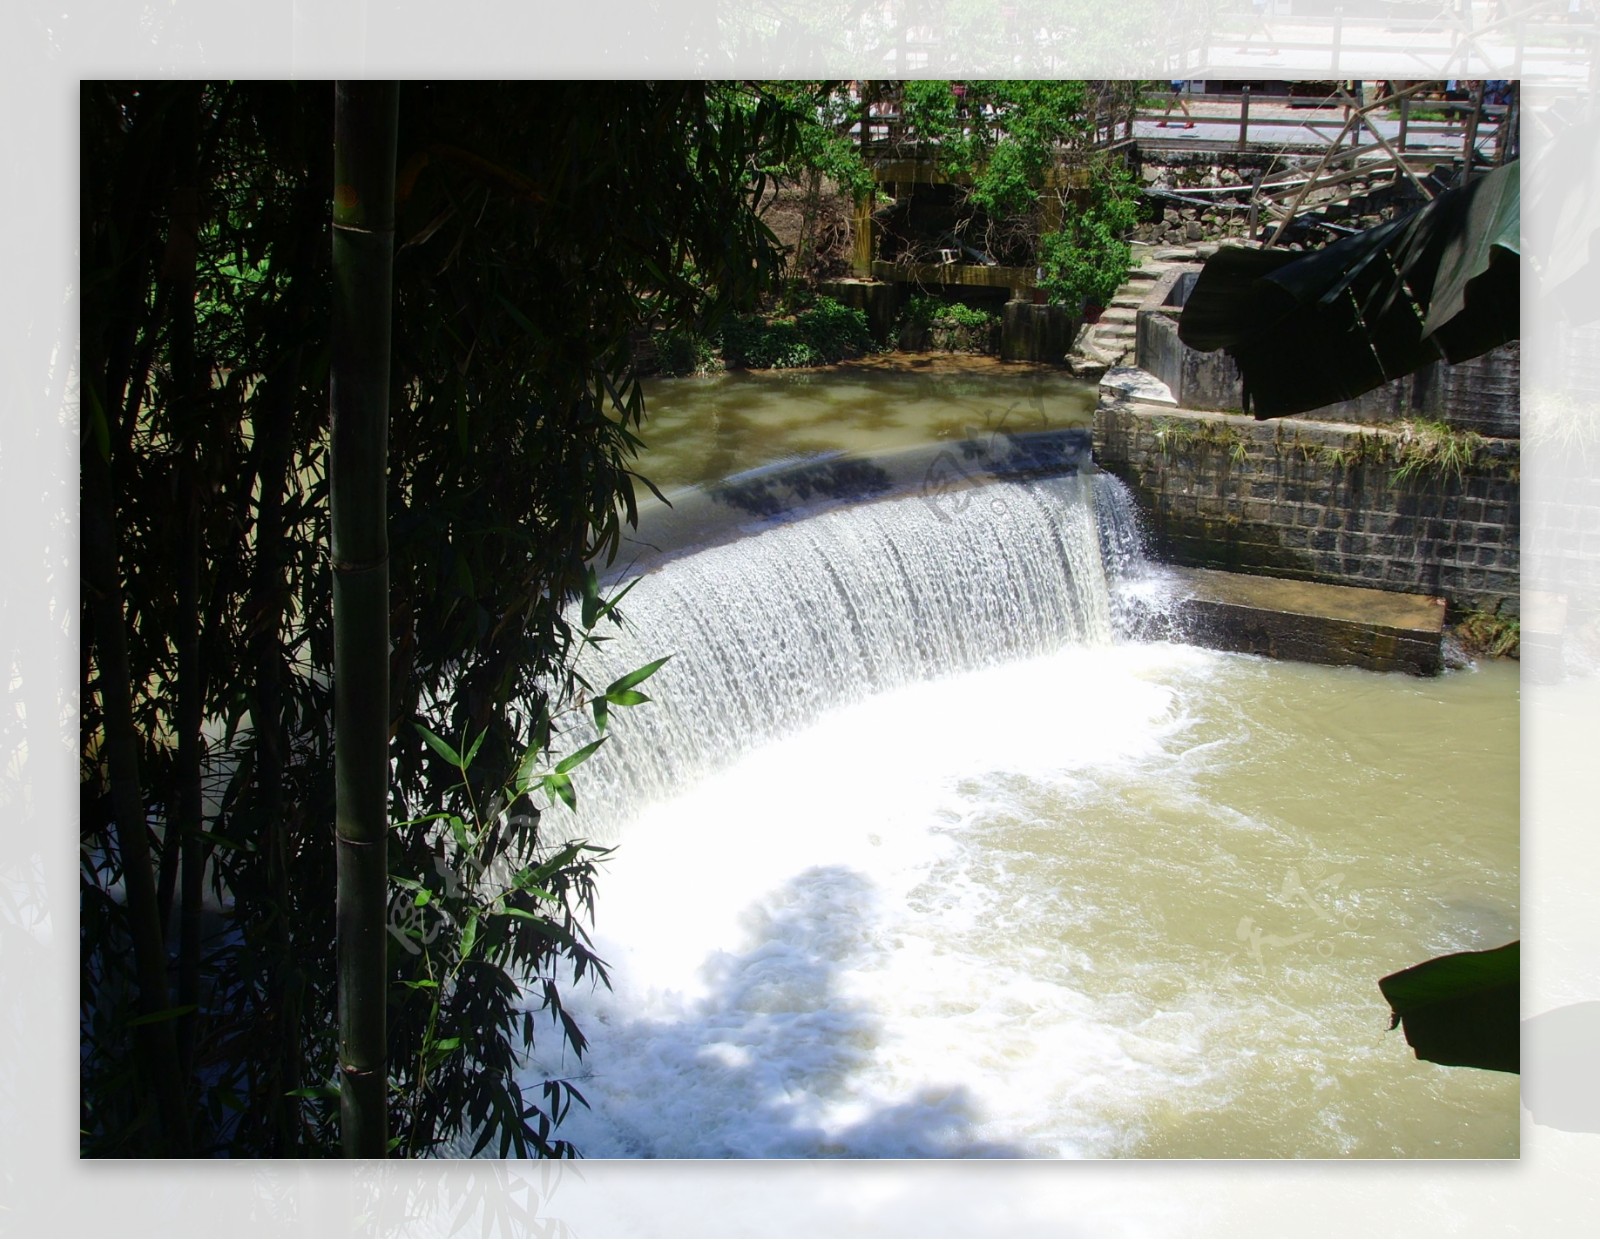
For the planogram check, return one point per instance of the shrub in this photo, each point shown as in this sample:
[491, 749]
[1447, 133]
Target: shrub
[1490, 633]
[685, 353]
[928, 323]
[1087, 260]
[826, 332]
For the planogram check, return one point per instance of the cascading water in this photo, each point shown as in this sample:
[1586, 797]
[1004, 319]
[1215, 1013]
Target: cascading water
[919, 856]
[767, 633]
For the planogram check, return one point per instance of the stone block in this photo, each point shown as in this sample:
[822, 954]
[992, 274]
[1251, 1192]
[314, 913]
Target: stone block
[1340, 625]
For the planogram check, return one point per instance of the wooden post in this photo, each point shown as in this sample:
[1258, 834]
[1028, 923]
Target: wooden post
[861, 238]
[1469, 140]
[1405, 122]
[1244, 116]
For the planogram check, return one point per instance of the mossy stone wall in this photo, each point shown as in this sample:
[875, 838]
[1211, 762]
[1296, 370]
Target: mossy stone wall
[1317, 501]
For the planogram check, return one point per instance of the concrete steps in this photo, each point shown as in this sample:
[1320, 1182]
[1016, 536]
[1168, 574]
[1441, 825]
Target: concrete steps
[1111, 342]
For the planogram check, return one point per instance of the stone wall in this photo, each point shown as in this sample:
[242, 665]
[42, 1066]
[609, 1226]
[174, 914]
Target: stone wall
[1480, 394]
[1317, 501]
[1205, 196]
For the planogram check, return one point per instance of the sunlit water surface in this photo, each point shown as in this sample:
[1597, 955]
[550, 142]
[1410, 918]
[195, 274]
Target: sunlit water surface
[1107, 899]
[701, 430]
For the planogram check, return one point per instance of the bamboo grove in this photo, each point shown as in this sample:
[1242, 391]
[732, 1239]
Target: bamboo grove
[537, 229]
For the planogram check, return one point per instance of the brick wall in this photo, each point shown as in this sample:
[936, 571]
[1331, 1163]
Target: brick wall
[1316, 501]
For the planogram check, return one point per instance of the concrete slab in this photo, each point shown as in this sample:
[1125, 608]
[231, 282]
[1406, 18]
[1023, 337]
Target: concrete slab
[1310, 622]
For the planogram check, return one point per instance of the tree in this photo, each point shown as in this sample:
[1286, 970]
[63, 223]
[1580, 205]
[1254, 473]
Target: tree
[365, 120]
[539, 228]
[1037, 189]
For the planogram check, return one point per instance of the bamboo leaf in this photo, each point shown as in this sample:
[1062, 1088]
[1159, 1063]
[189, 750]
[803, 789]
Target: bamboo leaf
[439, 745]
[155, 1018]
[472, 752]
[591, 597]
[561, 785]
[637, 676]
[578, 757]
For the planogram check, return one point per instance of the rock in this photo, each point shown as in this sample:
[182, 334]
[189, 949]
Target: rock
[1085, 367]
[1131, 383]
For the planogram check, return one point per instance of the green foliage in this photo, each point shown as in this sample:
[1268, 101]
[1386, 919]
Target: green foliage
[1435, 450]
[1087, 259]
[539, 226]
[1002, 135]
[1177, 437]
[825, 332]
[684, 352]
[949, 326]
[1490, 633]
[474, 908]
[1355, 452]
[823, 115]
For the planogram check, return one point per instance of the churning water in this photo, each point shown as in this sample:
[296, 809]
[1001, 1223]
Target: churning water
[919, 857]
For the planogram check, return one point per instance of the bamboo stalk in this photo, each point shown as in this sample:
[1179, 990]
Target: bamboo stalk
[366, 118]
[102, 583]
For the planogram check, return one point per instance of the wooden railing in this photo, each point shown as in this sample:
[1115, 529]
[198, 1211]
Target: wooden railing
[1538, 39]
[1430, 128]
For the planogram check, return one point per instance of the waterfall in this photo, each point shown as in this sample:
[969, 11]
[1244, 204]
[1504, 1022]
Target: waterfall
[768, 632]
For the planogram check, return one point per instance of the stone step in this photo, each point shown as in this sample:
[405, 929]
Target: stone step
[1114, 313]
[1127, 301]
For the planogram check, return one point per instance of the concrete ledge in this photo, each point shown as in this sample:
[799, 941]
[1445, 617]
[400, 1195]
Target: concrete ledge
[1310, 622]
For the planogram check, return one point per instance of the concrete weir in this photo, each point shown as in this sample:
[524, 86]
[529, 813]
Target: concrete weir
[1315, 623]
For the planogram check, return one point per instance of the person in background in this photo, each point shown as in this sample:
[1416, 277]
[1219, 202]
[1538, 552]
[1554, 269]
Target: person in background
[1177, 97]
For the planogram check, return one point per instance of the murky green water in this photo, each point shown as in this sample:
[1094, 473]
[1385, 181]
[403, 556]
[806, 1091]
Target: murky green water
[702, 430]
[1111, 900]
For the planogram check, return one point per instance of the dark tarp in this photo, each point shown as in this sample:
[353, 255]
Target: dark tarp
[1308, 330]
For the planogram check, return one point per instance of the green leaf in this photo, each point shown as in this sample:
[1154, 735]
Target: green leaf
[591, 597]
[1462, 1009]
[439, 746]
[446, 1044]
[426, 983]
[523, 778]
[520, 319]
[637, 676]
[561, 785]
[627, 697]
[155, 1018]
[469, 935]
[580, 756]
[313, 1091]
[602, 715]
[473, 751]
